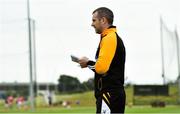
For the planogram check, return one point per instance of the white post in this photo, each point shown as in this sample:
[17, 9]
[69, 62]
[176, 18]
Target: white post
[162, 50]
[178, 62]
[31, 92]
[34, 57]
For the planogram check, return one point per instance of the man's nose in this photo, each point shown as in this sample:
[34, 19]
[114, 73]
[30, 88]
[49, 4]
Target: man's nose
[92, 25]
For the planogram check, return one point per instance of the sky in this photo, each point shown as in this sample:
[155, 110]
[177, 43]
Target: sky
[63, 27]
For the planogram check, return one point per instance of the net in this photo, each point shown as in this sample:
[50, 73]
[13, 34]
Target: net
[170, 53]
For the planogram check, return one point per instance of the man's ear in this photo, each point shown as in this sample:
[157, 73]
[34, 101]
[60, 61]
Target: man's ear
[103, 20]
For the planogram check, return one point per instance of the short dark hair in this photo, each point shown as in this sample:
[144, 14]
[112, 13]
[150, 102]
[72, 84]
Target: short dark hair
[105, 12]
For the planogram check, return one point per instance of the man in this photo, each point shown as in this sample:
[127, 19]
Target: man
[109, 65]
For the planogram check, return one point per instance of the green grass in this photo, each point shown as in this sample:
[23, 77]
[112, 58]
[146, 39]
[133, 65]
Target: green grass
[86, 99]
[54, 110]
[148, 109]
[87, 103]
[134, 109]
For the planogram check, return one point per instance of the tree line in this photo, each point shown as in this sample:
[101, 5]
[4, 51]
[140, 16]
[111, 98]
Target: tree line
[70, 84]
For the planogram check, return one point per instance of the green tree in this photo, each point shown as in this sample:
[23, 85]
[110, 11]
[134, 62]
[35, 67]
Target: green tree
[69, 84]
[88, 85]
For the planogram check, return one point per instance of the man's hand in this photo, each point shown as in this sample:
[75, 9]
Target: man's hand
[83, 62]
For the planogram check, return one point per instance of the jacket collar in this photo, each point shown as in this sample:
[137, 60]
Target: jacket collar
[108, 30]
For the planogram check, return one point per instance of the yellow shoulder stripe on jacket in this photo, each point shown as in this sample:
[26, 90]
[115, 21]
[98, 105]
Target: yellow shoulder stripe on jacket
[106, 54]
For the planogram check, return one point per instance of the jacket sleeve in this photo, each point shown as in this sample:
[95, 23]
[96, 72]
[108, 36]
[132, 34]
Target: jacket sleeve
[91, 65]
[106, 54]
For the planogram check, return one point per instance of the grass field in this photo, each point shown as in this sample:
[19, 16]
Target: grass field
[87, 104]
[134, 109]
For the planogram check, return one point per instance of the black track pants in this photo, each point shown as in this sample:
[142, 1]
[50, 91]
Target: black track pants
[111, 102]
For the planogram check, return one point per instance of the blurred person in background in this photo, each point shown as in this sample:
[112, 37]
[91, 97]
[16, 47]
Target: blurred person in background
[10, 100]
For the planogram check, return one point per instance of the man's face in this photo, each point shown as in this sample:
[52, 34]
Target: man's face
[96, 23]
